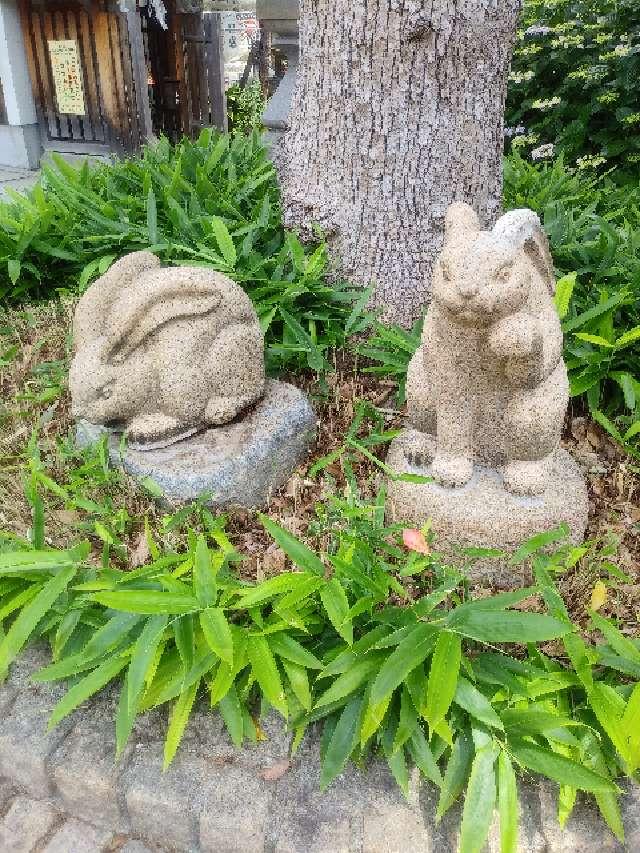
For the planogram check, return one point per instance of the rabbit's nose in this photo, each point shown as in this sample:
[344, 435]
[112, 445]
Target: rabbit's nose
[468, 287]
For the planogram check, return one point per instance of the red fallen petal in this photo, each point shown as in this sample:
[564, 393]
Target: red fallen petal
[415, 540]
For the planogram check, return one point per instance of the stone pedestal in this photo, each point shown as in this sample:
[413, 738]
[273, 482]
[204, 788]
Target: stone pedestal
[482, 513]
[239, 464]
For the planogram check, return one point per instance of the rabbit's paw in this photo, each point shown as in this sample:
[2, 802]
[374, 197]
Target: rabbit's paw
[526, 477]
[451, 470]
[419, 448]
[221, 410]
[156, 429]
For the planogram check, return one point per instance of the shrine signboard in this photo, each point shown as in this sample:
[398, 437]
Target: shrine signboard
[66, 71]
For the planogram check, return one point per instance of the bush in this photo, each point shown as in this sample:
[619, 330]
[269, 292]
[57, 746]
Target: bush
[574, 82]
[245, 107]
[376, 639]
[213, 202]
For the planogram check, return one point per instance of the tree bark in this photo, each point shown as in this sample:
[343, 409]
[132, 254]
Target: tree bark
[398, 111]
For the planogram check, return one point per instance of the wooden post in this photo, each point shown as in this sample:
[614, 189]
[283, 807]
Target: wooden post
[215, 57]
[138, 69]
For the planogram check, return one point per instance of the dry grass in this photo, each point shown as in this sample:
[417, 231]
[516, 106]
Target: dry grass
[34, 348]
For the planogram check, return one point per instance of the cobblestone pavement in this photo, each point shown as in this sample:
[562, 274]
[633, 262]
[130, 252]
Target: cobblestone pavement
[28, 825]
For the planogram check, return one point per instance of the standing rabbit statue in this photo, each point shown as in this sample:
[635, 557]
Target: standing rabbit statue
[488, 384]
[162, 353]
[487, 393]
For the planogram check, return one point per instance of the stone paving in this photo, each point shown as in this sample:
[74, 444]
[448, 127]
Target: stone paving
[62, 792]
[28, 825]
[17, 179]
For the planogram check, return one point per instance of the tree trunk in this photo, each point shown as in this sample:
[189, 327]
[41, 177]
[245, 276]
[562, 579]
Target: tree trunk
[398, 112]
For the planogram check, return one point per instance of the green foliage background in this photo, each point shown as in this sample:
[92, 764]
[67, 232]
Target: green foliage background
[574, 81]
[212, 202]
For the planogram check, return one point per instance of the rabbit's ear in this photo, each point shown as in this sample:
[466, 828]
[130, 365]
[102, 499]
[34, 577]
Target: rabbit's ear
[95, 305]
[157, 298]
[521, 229]
[460, 221]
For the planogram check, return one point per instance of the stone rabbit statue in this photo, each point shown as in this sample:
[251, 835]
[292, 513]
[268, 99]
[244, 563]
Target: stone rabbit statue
[488, 384]
[164, 352]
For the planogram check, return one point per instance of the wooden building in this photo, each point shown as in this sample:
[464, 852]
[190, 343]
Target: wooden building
[108, 75]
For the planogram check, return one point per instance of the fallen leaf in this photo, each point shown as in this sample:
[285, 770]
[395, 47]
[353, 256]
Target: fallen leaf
[276, 771]
[67, 516]
[274, 560]
[140, 552]
[598, 595]
[415, 540]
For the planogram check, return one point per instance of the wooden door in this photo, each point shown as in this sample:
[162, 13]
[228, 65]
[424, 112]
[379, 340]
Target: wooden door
[88, 44]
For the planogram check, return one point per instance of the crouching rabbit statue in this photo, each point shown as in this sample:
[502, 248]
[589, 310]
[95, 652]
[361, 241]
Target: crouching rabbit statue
[162, 353]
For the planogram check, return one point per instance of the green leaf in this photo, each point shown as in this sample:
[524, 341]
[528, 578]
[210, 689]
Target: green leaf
[178, 720]
[539, 541]
[533, 720]
[508, 626]
[342, 743]
[142, 658]
[299, 682]
[597, 340]
[456, 773]
[296, 550]
[615, 638]
[152, 217]
[373, 718]
[415, 647]
[286, 647]
[349, 681]
[479, 802]
[476, 703]
[29, 617]
[204, 575]
[184, 639]
[407, 722]
[336, 604]
[13, 268]
[34, 561]
[559, 768]
[147, 601]
[224, 240]
[423, 757]
[217, 633]
[86, 687]
[564, 290]
[231, 713]
[508, 806]
[443, 677]
[266, 672]
[629, 337]
[396, 760]
[110, 634]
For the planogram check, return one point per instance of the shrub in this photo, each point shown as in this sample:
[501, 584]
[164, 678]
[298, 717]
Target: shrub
[245, 107]
[212, 202]
[573, 84]
[380, 645]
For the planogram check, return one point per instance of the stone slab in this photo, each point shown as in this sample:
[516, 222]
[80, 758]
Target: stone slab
[239, 464]
[75, 836]
[26, 823]
[482, 513]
